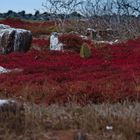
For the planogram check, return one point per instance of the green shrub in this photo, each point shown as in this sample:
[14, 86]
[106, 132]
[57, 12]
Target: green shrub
[85, 51]
[54, 29]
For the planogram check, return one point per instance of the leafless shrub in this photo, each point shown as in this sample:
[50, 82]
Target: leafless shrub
[121, 15]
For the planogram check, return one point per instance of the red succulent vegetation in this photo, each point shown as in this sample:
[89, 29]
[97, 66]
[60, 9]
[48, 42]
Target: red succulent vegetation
[111, 74]
[74, 42]
[36, 27]
[71, 41]
[43, 44]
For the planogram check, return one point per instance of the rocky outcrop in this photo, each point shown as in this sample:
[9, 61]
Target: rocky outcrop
[14, 40]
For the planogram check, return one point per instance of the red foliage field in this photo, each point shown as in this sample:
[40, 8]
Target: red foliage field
[35, 27]
[111, 74]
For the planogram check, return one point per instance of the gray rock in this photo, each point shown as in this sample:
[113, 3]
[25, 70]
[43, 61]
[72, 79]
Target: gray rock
[5, 70]
[12, 115]
[2, 26]
[14, 40]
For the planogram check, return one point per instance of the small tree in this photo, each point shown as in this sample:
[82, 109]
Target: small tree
[60, 9]
[85, 51]
[36, 13]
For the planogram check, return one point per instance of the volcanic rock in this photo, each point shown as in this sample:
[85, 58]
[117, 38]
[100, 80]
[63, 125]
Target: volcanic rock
[14, 39]
[12, 115]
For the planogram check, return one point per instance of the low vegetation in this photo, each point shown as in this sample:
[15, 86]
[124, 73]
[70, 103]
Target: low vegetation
[62, 91]
[93, 121]
[110, 74]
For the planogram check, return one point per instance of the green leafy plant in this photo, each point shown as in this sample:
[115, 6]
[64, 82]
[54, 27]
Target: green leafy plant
[85, 51]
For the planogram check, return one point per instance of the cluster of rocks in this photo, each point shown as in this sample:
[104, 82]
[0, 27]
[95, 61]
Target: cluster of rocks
[14, 40]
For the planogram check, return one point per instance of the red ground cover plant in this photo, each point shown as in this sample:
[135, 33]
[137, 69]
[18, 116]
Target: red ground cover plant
[35, 27]
[74, 42]
[71, 41]
[42, 44]
[111, 74]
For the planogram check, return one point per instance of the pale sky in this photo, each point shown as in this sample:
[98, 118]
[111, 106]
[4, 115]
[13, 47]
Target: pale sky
[18, 5]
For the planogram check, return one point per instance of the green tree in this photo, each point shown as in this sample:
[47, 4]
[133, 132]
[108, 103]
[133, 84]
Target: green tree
[85, 51]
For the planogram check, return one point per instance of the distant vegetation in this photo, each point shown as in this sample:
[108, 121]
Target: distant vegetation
[125, 25]
[38, 16]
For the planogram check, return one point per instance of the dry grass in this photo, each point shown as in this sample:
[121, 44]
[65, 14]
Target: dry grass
[38, 121]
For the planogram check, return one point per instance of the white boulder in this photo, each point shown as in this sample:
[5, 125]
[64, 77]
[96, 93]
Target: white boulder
[54, 42]
[4, 70]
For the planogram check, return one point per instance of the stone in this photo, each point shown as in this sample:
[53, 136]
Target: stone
[4, 70]
[2, 26]
[12, 115]
[91, 33]
[54, 42]
[14, 39]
